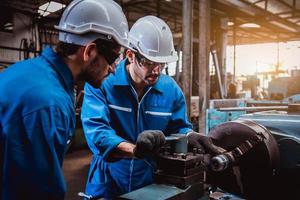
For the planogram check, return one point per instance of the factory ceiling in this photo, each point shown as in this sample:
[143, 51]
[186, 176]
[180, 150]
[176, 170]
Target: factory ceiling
[248, 21]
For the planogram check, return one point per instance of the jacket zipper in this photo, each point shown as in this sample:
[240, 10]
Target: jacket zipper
[137, 128]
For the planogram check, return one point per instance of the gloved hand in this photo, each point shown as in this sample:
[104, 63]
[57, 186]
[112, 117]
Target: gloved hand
[203, 143]
[148, 143]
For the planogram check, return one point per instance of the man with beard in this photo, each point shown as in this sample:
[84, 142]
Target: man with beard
[125, 121]
[37, 112]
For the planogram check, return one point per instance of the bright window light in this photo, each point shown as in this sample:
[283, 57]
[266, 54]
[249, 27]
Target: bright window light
[230, 23]
[50, 7]
[250, 25]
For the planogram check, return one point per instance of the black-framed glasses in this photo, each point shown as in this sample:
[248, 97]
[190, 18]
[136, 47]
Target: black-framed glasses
[147, 63]
[110, 50]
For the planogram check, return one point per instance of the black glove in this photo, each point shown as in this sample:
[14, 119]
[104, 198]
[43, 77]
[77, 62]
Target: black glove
[148, 143]
[203, 144]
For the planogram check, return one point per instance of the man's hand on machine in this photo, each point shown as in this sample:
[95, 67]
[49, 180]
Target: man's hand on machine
[148, 143]
[203, 144]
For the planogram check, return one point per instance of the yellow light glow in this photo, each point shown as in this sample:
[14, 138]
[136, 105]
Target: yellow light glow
[252, 59]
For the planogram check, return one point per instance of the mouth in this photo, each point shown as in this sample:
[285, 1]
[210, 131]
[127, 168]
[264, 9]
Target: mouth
[152, 77]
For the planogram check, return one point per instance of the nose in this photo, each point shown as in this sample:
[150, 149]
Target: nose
[156, 69]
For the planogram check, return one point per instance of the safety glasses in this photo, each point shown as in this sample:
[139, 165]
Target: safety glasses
[147, 63]
[110, 50]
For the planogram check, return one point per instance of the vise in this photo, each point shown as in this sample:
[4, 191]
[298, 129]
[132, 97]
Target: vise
[178, 167]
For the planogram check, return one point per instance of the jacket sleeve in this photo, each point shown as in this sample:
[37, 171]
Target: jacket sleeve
[95, 119]
[179, 122]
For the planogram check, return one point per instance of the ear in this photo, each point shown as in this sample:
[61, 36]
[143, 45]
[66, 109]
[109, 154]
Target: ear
[89, 52]
[130, 55]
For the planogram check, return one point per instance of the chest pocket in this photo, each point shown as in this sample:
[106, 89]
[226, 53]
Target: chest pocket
[157, 117]
[122, 119]
[120, 115]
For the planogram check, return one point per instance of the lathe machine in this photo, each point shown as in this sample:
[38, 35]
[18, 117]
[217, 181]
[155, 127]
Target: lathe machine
[251, 167]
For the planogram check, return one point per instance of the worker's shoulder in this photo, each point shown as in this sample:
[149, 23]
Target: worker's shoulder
[119, 78]
[34, 68]
[167, 83]
[30, 85]
[18, 77]
[167, 79]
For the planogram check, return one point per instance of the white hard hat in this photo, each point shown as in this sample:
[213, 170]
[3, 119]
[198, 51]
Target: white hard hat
[153, 39]
[84, 21]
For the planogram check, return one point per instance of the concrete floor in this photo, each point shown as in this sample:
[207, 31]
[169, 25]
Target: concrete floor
[76, 166]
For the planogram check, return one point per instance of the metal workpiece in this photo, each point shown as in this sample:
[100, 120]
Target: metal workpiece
[178, 143]
[227, 159]
[222, 162]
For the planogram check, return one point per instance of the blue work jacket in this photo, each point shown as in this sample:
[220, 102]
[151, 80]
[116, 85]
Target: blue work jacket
[112, 114]
[37, 117]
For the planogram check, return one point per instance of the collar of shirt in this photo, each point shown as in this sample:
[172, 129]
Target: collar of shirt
[60, 67]
[124, 80]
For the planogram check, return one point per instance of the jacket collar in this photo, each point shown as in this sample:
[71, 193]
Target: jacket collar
[159, 84]
[122, 77]
[60, 67]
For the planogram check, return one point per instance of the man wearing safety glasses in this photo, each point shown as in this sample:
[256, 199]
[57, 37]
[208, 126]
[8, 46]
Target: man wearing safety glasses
[37, 113]
[125, 121]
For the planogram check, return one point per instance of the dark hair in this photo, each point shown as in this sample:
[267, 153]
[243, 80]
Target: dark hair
[65, 49]
[138, 56]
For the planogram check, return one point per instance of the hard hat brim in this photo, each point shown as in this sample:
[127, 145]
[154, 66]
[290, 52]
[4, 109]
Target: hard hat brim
[161, 59]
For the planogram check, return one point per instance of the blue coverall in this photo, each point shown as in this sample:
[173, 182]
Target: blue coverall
[112, 114]
[37, 117]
